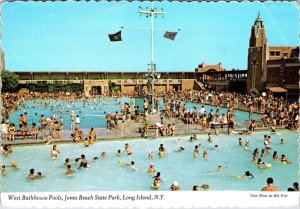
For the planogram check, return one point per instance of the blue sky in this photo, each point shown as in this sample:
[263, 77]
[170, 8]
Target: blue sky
[72, 36]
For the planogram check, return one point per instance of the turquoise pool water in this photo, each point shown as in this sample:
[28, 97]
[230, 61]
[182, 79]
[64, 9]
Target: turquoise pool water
[92, 114]
[107, 175]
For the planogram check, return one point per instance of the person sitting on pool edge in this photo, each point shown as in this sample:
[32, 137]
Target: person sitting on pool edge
[155, 185]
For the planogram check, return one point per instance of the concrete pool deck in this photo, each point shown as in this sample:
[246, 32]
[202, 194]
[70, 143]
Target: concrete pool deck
[131, 132]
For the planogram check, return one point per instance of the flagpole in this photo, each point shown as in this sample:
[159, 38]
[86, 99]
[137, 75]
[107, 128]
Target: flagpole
[151, 13]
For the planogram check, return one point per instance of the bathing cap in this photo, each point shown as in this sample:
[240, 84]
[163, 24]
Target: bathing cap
[175, 183]
[151, 164]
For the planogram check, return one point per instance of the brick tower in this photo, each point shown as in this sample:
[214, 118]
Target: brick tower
[256, 56]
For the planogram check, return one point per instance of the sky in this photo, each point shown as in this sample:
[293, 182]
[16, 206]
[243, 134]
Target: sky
[73, 36]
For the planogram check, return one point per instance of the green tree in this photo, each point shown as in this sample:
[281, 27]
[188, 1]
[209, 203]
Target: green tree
[10, 81]
[112, 86]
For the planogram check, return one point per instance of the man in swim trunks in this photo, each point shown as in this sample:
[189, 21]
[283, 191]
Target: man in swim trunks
[269, 187]
[128, 149]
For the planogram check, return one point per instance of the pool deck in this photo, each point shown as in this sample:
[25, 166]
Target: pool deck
[131, 132]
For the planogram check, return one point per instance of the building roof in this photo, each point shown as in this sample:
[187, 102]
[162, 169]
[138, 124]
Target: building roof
[277, 89]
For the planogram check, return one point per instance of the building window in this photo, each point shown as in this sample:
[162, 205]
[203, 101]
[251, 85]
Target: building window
[275, 53]
[285, 54]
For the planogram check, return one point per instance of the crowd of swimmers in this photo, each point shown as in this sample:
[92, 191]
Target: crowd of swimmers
[274, 113]
[81, 163]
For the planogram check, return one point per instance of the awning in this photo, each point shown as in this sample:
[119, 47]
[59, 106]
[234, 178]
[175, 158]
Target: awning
[277, 89]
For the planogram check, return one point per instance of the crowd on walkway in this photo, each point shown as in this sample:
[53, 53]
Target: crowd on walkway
[274, 112]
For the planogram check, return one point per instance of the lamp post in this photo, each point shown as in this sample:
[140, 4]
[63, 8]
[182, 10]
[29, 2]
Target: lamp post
[152, 12]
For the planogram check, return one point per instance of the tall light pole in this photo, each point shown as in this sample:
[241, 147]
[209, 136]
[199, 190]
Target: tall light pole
[152, 13]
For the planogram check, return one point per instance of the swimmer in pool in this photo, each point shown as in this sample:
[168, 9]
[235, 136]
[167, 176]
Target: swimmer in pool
[248, 175]
[180, 149]
[220, 168]
[209, 138]
[151, 168]
[155, 185]
[69, 170]
[128, 149]
[67, 162]
[54, 152]
[86, 142]
[240, 142]
[247, 143]
[83, 166]
[38, 175]
[13, 165]
[196, 188]
[103, 155]
[119, 153]
[275, 156]
[151, 154]
[284, 160]
[196, 152]
[263, 153]
[83, 159]
[282, 141]
[31, 175]
[205, 154]
[161, 150]
[157, 177]
[174, 186]
[3, 170]
[130, 165]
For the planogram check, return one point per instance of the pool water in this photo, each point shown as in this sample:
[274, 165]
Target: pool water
[92, 114]
[107, 175]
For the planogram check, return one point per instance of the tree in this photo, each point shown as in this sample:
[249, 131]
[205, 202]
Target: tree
[10, 81]
[112, 86]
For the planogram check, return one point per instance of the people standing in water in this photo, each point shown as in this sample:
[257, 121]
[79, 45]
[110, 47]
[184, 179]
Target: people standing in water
[72, 121]
[151, 168]
[128, 149]
[161, 150]
[54, 152]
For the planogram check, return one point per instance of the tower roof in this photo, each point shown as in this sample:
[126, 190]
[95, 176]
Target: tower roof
[258, 19]
[259, 22]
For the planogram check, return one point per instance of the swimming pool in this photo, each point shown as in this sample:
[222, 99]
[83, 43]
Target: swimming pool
[92, 114]
[107, 175]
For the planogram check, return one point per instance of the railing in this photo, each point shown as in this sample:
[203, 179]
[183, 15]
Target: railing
[50, 81]
[116, 81]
